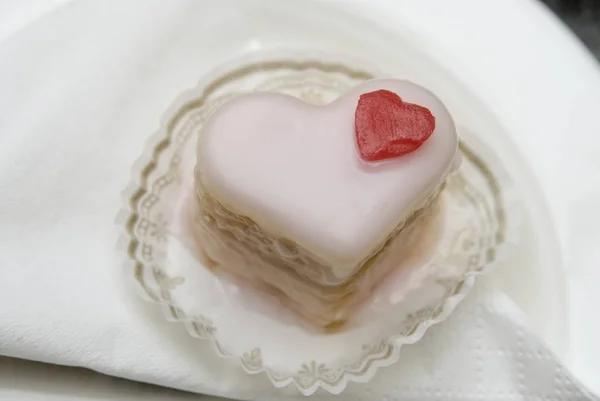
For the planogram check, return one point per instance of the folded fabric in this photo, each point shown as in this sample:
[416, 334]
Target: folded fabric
[74, 116]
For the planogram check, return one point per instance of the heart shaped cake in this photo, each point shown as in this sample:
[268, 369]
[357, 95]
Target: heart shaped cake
[318, 204]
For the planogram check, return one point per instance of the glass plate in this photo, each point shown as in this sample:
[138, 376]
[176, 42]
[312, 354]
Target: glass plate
[477, 228]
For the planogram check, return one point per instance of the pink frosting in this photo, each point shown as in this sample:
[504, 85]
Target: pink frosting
[295, 170]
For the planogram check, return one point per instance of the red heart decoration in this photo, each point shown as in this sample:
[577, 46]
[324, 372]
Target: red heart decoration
[387, 127]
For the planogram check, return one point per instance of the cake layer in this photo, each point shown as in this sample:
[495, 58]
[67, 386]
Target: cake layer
[293, 169]
[229, 247]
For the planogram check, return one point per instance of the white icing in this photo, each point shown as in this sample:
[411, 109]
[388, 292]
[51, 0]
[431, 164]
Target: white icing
[295, 170]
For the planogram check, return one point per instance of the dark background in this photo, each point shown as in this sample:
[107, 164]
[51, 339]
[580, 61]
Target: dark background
[583, 17]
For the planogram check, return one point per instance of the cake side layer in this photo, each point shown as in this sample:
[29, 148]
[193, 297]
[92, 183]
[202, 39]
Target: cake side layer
[294, 170]
[293, 259]
[226, 253]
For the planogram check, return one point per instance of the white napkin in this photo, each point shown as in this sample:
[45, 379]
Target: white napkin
[77, 102]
